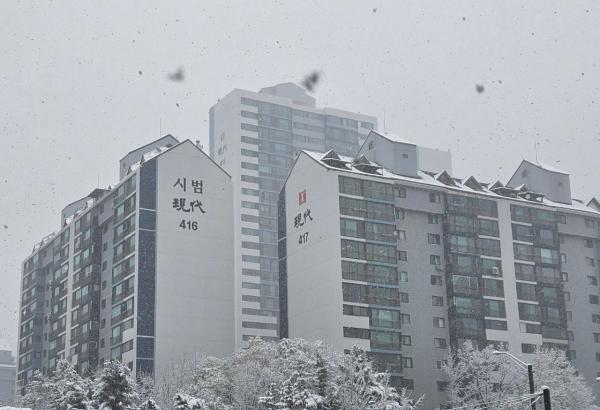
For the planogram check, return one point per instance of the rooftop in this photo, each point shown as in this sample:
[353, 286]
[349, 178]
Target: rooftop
[444, 180]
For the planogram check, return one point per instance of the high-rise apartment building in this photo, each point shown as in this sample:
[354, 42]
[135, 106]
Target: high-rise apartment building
[255, 136]
[378, 252]
[141, 273]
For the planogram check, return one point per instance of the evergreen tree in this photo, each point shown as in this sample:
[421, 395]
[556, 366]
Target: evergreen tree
[69, 389]
[114, 389]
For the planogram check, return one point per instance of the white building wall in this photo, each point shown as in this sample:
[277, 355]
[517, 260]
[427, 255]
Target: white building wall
[314, 269]
[195, 272]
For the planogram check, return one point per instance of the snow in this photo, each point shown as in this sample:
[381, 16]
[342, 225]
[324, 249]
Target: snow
[394, 137]
[426, 179]
[547, 167]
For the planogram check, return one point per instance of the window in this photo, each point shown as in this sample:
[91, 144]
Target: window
[437, 301]
[404, 297]
[440, 364]
[435, 260]
[525, 272]
[596, 337]
[434, 198]
[570, 335]
[433, 219]
[436, 280]
[407, 362]
[589, 261]
[564, 276]
[433, 239]
[403, 276]
[594, 299]
[440, 343]
[571, 355]
[402, 256]
[494, 308]
[589, 243]
[405, 318]
[406, 340]
[596, 318]
[569, 315]
[400, 192]
[563, 257]
[442, 386]
[527, 348]
[401, 234]
[589, 223]
[439, 322]
[592, 280]
[488, 227]
[561, 218]
[399, 214]
[598, 357]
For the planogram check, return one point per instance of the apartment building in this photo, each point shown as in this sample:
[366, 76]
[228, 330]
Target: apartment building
[255, 136]
[405, 262]
[141, 273]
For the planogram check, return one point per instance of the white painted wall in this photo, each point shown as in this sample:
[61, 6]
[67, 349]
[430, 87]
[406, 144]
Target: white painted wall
[195, 274]
[314, 268]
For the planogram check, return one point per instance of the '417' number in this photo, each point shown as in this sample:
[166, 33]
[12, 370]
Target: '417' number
[303, 238]
[192, 225]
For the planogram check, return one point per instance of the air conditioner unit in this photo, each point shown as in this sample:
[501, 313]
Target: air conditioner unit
[438, 267]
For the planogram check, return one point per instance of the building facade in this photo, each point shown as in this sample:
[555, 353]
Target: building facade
[8, 375]
[255, 136]
[406, 263]
[141, 273]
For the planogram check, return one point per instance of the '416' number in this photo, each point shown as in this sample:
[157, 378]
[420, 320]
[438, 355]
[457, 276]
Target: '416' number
[192, 225]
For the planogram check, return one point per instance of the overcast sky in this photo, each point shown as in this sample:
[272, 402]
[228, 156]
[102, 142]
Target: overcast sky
[82, 83]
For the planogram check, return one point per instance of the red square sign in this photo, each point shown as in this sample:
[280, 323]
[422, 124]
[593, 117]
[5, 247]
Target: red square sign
[301, 197]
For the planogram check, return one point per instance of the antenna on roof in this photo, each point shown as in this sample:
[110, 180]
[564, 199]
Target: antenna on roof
[535, 145]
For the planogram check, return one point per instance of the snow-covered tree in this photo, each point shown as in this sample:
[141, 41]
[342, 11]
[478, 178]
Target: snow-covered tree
[483, 378]
[114, 388]
[149, 404]
[567, 388]
[69, 389]
[361, 387]
[479, 376]
[37, 392]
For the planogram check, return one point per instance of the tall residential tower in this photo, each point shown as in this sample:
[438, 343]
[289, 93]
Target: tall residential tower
[378, 252]
[255, 136]
[142, 272]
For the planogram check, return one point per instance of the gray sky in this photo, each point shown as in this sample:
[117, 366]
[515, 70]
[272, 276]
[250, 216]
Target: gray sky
[73, 101]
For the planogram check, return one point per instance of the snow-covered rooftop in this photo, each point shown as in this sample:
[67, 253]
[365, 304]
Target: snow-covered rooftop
[546, 167]
[435, 180]
[393, 137]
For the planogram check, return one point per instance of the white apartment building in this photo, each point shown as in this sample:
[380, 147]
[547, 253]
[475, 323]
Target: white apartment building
[141, 273]
[255, 136]
[405, 262]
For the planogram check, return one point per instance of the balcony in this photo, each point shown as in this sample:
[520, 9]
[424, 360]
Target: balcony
[122, 296]
[30, 313]
[86, 336]
[34, 278]
[93, 277]
[121, 316]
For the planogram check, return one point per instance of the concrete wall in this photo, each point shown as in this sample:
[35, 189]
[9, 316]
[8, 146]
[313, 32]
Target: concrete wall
[314, 268]
[194, 281]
